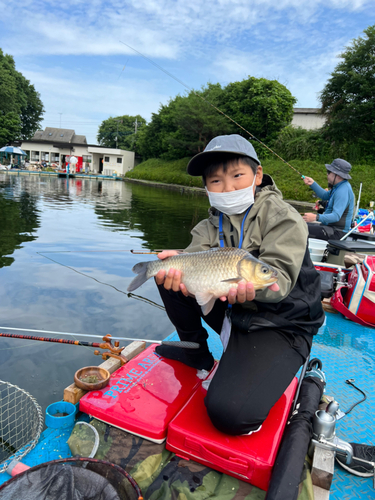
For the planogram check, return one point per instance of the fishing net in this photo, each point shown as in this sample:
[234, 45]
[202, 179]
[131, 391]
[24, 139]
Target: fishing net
[72, 479]
[21, 422]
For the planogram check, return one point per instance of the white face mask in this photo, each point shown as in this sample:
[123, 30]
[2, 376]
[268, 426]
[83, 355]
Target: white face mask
[232, 202]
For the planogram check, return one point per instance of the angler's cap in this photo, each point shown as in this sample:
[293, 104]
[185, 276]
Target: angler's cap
[235, 144]
[340, 167]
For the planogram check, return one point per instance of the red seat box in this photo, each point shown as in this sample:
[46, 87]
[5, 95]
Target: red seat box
[191, 435]
[143, 395]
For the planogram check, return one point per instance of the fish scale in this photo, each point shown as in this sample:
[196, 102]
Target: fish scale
[210, 274]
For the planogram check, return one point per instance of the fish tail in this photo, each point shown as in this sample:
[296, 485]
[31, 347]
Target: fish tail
[141, 270]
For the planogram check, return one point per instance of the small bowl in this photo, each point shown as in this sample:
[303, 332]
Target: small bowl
[101, 375]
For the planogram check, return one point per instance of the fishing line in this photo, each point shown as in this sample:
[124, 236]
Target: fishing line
[216, 108]
[128, 294]
[136, 252]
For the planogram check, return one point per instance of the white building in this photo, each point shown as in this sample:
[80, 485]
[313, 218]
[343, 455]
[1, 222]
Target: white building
[308, 118]
[56, 145]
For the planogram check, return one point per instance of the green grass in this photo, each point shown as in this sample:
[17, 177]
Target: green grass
[287, 180]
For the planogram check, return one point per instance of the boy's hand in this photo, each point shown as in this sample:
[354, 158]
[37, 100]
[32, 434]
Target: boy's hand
[244, 293]
[172, 280]
[308, 180]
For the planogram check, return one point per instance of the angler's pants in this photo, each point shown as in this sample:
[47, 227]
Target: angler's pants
[253, 372]
[323, 232]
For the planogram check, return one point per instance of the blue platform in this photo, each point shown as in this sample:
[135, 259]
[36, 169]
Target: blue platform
[347, 350]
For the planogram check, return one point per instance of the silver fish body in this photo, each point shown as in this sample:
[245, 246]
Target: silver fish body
[210, 274]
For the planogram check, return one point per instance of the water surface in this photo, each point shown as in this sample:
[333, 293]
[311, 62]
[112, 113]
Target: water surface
[65, 266]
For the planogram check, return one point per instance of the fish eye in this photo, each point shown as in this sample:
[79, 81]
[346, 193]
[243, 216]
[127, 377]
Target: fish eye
[264, 269]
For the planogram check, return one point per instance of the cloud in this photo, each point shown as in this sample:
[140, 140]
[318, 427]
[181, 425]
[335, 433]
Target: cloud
[157, 28]
[72, 51]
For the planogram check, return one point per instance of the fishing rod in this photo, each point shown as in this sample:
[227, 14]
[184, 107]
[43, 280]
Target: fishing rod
[48, 339]
[177, 343]
[215, 107]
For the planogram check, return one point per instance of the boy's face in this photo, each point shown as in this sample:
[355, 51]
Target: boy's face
[238, 175]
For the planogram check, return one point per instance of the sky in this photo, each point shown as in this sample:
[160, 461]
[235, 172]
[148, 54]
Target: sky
[76, 53]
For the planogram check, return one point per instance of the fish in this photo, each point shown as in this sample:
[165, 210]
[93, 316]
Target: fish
[210, 274]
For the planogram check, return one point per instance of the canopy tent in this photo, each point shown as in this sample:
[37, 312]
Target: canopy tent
[13, 150]
[18, 153]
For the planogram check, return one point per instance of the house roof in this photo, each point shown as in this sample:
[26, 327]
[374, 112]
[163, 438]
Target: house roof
[58, 135]
[307, 111]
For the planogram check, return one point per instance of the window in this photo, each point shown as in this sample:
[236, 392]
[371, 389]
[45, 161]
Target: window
[106, 159]
[119, 160]
[50, 133]
[86, 158]
[61, 135]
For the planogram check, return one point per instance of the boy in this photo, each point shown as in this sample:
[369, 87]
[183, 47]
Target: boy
[272, 329]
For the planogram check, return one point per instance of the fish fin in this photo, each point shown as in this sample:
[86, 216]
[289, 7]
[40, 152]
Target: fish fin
[141, 270]
[233, 280]
[206, 300]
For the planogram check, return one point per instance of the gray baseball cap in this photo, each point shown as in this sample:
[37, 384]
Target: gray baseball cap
[235, 144]
[340, 167]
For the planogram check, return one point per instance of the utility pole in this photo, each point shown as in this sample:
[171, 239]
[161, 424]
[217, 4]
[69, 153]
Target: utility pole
[136, 125]
[118, 121]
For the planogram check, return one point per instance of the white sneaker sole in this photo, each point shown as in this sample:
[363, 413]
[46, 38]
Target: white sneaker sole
[354, 472]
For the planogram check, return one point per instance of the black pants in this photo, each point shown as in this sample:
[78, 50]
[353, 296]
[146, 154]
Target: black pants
[254, 371]
[322, 232]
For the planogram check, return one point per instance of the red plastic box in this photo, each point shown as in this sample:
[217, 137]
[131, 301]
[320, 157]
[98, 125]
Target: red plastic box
[191, 435]
[144, 395]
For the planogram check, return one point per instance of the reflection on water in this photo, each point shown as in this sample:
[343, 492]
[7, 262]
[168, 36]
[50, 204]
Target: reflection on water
[65, 266]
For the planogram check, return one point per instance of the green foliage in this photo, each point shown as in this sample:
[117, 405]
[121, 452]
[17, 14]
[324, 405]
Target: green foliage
[186, 124]
[348, 99]
[169, 172]
[297, 143]
[263, 107]
[20, 106]
[120, 131]
[286, 179]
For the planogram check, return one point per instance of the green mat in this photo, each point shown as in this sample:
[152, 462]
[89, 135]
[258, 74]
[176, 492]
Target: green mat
[161, 474]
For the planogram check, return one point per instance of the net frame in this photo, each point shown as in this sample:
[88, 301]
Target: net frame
[21, 423]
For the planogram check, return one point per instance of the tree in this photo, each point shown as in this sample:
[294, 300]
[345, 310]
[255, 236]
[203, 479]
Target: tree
[263, 107]
[185, 126]
[21, 109]
[197, 121]
[348, 99]
[120, 131]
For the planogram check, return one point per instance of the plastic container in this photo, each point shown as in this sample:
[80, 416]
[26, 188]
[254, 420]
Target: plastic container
[316, 249]
[60, 414]
[191, 435]
[144, 395]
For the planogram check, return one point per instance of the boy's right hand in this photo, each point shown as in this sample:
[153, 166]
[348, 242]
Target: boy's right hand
[172, 280]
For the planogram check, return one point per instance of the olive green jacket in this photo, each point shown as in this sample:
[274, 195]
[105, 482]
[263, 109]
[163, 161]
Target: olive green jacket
[273, 231]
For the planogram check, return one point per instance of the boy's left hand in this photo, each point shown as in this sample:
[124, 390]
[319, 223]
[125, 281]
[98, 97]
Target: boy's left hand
[245, 293]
